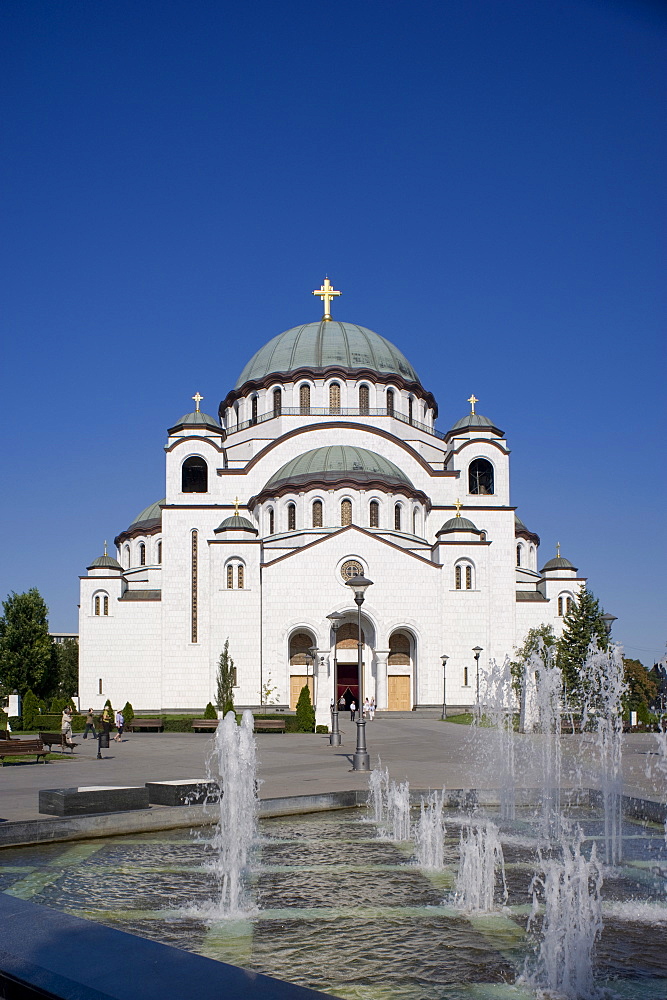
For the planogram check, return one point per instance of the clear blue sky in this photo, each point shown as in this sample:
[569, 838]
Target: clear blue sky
[484, 180]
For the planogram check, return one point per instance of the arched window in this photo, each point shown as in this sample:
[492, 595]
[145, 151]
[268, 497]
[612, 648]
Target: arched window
[272, 521]
[304, 398]
[126, 557]
[533, 557]
[142, 554]
[346, 512]
[159, 553]
[390, 402]
[97, 604]
[253, 410]
[240, 575]
[347, 636]
[364, 399]
[399, 650]
[465, 677]
[194, 475]
[468, 577]
[277, 402]
[317, 514]
[480, 477]
[105, 604]
[230, 577]
[334, 397]
[415, 521]
[397, 517]
[291, 517]
[457, 578]
[410, 410]
[518, 554]
[569, 604]
[374, 514]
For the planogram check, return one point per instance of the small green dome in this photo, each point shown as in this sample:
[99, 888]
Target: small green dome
[458, 524]
[558, 562]
[152, 513]
[236, 523]
[105, 562]
[338, 462]
[327, 344]
[473, 420]
[197, 419]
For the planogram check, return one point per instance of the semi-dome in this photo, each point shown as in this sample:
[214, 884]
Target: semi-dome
[338, 462]
[150, 516]
[327, 344]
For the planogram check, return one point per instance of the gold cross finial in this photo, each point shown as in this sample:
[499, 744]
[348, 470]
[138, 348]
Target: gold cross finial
[105, 546]
[472, 400]
[557, 550]
[458, 505]
[236, 507]
[197, 398]
[327, 292]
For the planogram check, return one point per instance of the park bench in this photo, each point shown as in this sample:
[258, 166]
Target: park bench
[204, 725]
[51, 739]
[22, 748]
[275, 725]
[155, 725]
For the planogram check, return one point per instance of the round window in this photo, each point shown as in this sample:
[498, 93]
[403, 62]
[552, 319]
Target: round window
[351, 568]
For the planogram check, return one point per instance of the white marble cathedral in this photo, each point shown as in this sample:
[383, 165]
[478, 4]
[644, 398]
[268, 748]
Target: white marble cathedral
[324, 460]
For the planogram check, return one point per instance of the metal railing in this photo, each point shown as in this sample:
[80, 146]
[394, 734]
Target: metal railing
[333, 411]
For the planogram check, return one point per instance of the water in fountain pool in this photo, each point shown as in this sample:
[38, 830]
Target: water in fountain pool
[342, 910]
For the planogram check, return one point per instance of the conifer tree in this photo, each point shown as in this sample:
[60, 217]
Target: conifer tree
[224, 698]
[582, 625]
[305, 713]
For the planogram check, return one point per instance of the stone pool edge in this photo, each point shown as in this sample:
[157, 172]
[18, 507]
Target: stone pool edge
[52, 829]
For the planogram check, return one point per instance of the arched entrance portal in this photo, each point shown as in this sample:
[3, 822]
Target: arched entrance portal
[399, 673]
[301, 669]
[348, 660]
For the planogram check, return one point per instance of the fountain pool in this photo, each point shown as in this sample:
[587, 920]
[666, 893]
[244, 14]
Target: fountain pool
[343, 910]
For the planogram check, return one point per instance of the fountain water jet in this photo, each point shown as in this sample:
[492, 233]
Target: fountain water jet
[430, 832]
[378, 788]
[499, 703]
[235, 761]
[481, 868]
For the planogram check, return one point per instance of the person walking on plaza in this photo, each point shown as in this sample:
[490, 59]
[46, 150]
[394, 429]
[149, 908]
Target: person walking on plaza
[371, 710]
[120, 722]
[66, 725]
[367, 708]
[90, 725]
[353, 709]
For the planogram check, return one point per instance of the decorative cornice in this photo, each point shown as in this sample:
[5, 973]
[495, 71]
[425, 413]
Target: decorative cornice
[530, 536]
[331, 371]
[338, 480]
[138, 531]
[476, 440]
[194, 437]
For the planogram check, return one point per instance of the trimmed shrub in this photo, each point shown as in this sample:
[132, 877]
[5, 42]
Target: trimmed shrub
[321, 729]
[177, 725]
[57, 705]
[30, 709]
[128, 713]
[305, 713]
[210, 712]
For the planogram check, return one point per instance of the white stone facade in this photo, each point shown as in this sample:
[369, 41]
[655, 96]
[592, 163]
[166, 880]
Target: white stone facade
[152, 624]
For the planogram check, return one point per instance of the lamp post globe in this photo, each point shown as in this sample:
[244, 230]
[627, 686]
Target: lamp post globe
[608, 622]
[444, 659]
[335, 619]
[361, 760]
[477, 650]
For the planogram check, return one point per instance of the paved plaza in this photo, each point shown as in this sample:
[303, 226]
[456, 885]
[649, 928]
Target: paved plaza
[426, 752]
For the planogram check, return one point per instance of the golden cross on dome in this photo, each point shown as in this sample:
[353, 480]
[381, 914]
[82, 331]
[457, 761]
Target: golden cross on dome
[236, 506]
[458, 505]
[472, 400]
[557, 550]
[197, 398]
[327, 292]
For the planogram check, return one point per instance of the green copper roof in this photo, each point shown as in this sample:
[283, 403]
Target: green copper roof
[558, 562]
[105, 562]
[151, 513]
[458, 524]
[473, 420]
[236, 523]
[324, 344]
[339, 461]
[197, 419]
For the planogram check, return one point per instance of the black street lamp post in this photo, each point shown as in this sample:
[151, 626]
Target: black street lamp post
[444, 659]
[361, 760]
[313, 656]
[335, 618]
[477, 650]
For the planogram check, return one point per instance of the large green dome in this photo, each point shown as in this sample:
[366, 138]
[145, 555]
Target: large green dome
[324, 345]
[338, 462]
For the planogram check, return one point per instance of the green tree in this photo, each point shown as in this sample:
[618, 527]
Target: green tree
[642, 688]
[29, 709]
[305, 713]
[210, 712]
[582, 625]
[67, 667]
[26, 654]
[224, 697]
[128, 714]
[536, 638]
